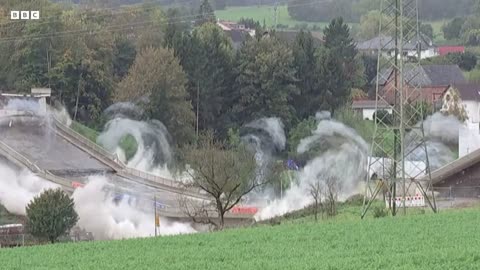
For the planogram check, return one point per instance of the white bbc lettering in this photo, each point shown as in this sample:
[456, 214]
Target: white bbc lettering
[25, 15]
[14, 15]
[35, 15]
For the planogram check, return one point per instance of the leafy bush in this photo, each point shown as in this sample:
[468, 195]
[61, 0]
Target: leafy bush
[379, 212]
[355, 200]
[383, 116]
[51, 214]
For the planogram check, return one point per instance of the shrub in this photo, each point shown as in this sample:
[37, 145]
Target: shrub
[379, 212]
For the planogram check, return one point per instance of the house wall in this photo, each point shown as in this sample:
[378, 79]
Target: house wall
[367, 114]
[468, 139]
[465, 183]
[473, 111]
[428, 94]
[428, 53]
[469, 136]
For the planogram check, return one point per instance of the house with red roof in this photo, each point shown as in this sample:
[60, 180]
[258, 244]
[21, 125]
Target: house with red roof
[444, 50]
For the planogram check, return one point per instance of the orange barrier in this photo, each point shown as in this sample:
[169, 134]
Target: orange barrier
[244, 210]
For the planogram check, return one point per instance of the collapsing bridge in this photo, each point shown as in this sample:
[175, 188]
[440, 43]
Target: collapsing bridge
[47, 146]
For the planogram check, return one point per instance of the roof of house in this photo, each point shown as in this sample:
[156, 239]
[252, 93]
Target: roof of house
[444, 50]
[455, 166]
[388, 43]
[369, 104]
[468, 91]
[290, 36]
[237, 36]
[428, 75]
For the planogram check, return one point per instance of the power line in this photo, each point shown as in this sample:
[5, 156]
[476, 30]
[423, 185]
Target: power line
[115, 28]
[95, 13]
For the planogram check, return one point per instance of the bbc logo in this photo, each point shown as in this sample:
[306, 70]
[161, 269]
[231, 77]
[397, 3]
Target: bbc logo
[25, 15]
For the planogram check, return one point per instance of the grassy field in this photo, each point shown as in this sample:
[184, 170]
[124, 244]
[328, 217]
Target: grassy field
[261, 14]
[442, 241]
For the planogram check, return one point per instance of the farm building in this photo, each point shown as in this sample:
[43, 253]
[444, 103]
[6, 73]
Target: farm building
[460, 178]
[386, 45]
[367, 108]
[431, 80]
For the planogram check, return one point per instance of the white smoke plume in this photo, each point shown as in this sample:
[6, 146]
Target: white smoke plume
[17, 189]
[27, 105]
[340, 153]
[106, 219]
[153, 153]
[274, 128]
[440, 131]
[265, 137]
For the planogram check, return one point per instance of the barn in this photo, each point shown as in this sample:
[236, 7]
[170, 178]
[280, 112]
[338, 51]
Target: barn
[460, 178]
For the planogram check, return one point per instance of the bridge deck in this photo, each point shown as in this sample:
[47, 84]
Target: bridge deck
[39, 144]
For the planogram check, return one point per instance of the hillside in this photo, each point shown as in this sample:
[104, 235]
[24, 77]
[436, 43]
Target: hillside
[442, 241]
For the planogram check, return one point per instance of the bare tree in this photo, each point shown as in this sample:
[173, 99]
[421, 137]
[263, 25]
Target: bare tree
[225, 174]
[316, 192]
[332, 188]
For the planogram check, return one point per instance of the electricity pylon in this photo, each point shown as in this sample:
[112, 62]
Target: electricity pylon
[398, 160]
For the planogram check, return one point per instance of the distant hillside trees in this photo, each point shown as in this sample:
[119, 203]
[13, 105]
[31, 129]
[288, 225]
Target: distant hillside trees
[157, 82]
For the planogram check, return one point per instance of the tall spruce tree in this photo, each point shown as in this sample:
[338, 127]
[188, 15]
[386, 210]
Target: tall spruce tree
[205, 13]
[265, 82]
[339, 41]
[305, 65]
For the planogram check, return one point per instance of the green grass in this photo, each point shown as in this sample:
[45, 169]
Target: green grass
[263, 13]
[87, 132]
[442, 241]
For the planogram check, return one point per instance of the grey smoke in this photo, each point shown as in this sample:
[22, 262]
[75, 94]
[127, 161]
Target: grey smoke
[124, 110]
[265, 137]
[273, 126]
[27, 105]
[107, 219]
[18, 188]
[440, 131]
[154, 153]
[339, 152]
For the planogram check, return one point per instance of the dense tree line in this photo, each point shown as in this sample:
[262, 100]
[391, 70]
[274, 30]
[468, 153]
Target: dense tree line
[186, 74]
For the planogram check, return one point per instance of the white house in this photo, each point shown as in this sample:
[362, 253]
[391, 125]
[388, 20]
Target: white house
[467, 98]
[368, 107]
[387, 46]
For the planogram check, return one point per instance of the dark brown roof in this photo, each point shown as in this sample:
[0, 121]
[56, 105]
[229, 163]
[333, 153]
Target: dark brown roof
[237, 36]
[468, 91]
[455, 167]
[428, 75]
[369, 104]
[290, 36]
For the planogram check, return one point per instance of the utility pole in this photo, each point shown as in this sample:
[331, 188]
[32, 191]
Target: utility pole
[155, 210]
[80, 85]
[275, 15]
[198, 104]
[388, 158]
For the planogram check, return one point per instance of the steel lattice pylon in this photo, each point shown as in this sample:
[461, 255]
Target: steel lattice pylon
[398, 160]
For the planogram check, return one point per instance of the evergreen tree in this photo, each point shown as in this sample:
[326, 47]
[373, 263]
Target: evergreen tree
[332, 80]
[265, 82]
[305, 65]
[339, 41]
[337, 64]
[207, 57]
[156, 76]
[205, 13]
